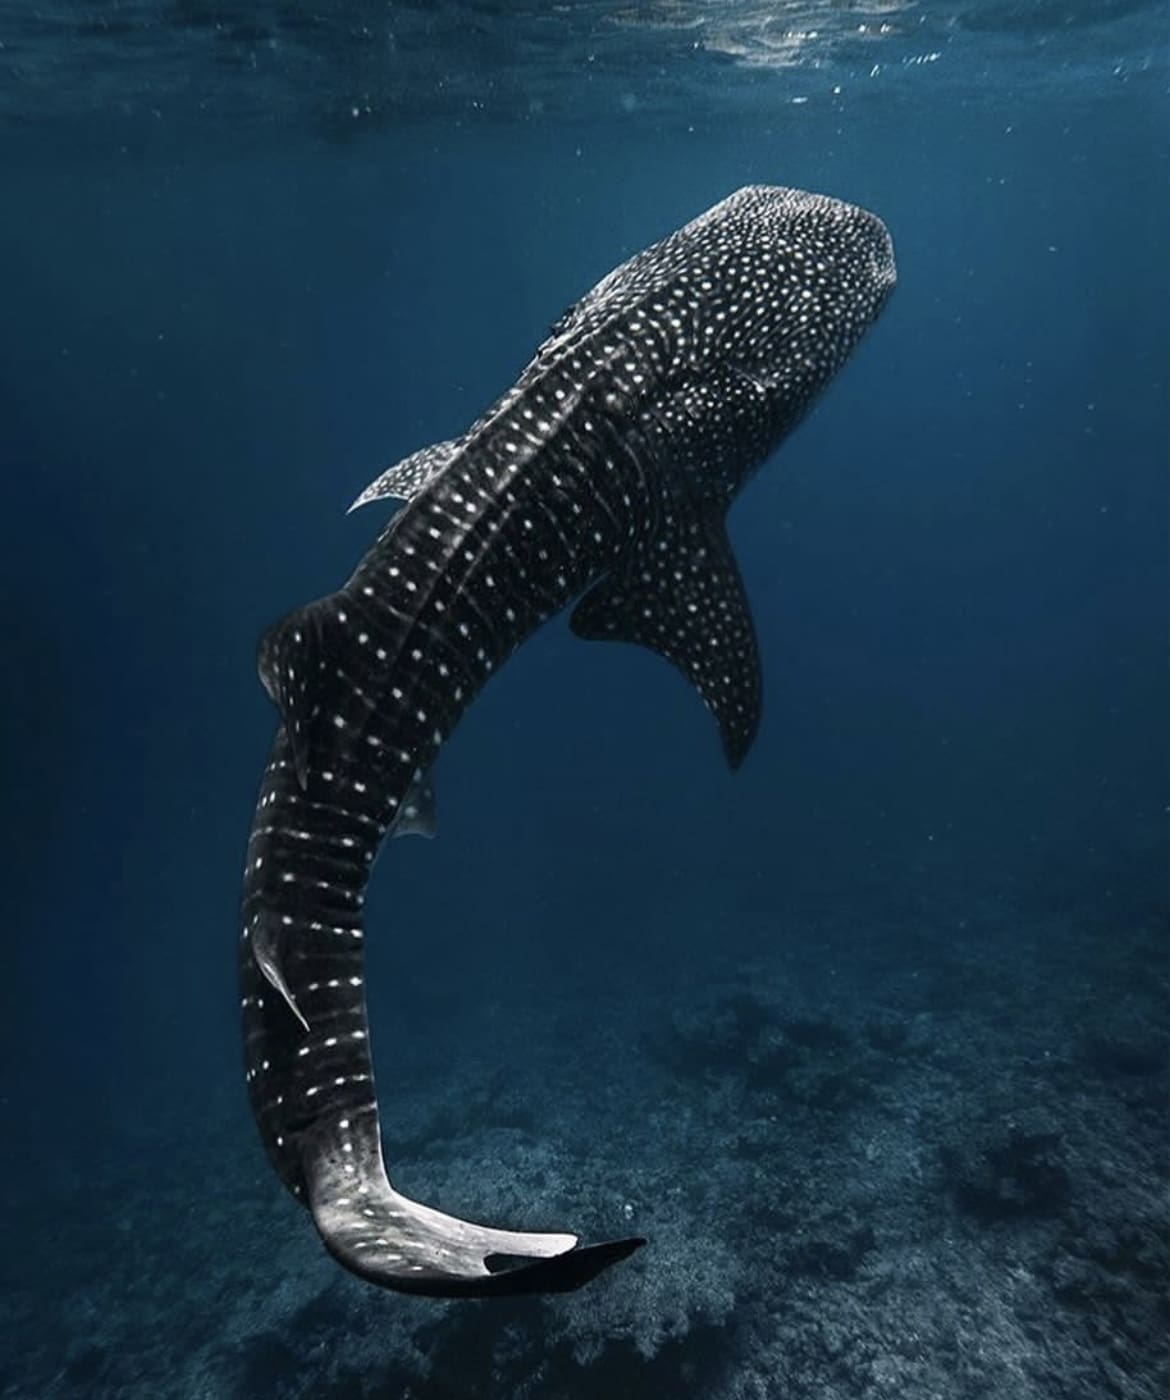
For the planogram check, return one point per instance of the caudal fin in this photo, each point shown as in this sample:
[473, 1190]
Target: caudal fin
[388, 1239]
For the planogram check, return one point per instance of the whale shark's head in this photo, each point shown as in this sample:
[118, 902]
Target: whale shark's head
[835, 230]
[781, 285]
[830, 270]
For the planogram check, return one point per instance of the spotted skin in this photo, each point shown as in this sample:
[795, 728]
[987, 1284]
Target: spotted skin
[603, 475]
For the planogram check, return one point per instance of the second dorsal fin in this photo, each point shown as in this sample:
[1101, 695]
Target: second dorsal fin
[294, 654]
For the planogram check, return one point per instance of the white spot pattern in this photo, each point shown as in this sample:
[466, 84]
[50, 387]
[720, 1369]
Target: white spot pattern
[608, 466]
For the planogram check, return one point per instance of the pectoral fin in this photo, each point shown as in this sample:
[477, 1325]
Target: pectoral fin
[682, 597]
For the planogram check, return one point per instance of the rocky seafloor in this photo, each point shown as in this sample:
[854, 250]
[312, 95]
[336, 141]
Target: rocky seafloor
[925, 1159]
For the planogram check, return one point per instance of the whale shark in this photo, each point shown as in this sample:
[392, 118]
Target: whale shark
[601, 478]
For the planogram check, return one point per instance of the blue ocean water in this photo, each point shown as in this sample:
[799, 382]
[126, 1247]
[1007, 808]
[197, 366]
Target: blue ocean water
[869, 1038]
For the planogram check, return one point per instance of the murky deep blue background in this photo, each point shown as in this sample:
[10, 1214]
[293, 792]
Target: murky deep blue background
[957, 568]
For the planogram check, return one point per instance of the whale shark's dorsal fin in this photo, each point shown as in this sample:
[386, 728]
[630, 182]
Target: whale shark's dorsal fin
[407, 478]
[680, 594]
